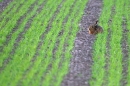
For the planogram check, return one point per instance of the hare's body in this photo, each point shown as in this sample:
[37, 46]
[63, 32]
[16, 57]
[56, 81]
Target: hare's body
[95, 29]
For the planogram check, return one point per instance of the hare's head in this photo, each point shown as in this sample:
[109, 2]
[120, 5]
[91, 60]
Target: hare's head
[92, 29]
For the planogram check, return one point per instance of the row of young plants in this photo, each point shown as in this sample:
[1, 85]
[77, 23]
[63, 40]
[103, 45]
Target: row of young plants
[26, 48]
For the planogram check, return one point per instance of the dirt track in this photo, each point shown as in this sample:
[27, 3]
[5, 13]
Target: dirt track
[80, 66]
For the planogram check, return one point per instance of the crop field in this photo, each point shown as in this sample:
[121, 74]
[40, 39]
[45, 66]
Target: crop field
[37, 38]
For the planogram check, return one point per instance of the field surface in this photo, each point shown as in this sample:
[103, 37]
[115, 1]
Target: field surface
[46, 43]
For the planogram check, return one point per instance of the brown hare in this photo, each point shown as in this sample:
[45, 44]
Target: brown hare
[95, 29]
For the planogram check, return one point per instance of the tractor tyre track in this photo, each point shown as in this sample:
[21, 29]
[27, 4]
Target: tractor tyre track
[80, 65]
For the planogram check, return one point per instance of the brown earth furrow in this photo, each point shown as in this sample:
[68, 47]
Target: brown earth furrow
[125, 48]
[19, 38]
[80, 66]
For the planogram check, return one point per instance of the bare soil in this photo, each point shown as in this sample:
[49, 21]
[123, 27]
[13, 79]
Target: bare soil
[81, 62]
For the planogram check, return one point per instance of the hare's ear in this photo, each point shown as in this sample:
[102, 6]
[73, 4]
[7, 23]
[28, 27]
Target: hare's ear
[96, 22]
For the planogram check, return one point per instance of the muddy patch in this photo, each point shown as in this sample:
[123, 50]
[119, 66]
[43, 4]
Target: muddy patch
[80, 66]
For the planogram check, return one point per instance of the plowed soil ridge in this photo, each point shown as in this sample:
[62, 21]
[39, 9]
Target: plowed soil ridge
[80, 66]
